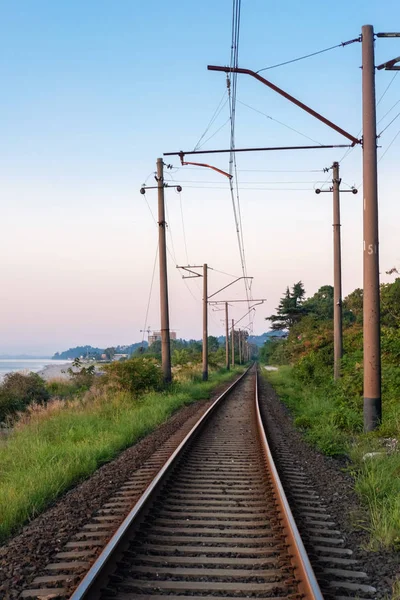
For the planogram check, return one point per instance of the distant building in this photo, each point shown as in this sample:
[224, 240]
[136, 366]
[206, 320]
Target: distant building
[119, 356]
[156, 336]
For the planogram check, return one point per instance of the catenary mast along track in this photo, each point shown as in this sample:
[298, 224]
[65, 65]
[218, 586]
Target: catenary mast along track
[214, 522]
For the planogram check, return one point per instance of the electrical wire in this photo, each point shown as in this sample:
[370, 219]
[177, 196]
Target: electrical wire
[215, 133]
[391, 143]
[350, 150]
[233, 181]
[309, 55]
[149, 207]
[387, 126]
[216, 114]
[223, 273]
[280, 122]
[389, 111]
[169, 230]
[150, 293]
[388, 86]
[183, 228]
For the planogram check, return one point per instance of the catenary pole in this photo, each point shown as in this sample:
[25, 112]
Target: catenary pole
[165, 336]
[205, 323]
[337, 275]
[233, 342]
[371, 309]
[240, 346]
[226, 337]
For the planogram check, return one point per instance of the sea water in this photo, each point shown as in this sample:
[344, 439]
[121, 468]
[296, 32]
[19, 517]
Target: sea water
[34, 365]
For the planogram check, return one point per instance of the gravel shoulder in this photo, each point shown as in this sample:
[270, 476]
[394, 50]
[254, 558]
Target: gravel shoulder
[336, 488]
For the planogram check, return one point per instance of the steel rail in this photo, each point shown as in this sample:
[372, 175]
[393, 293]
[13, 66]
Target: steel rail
[97, 576]
[308, 585]
[106, 560]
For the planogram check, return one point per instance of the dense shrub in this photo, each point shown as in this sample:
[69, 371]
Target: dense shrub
[18, 390]
[136, 375]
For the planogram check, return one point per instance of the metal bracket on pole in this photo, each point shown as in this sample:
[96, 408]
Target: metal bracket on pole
[257, 302]
[388, 35]
[274, 87]
[189, 270]
[155, 187]
[352, 191]
[267, 149]
[389, 65]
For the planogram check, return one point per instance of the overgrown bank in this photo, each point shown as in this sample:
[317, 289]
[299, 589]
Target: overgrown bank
[330, 413]
[53, 447]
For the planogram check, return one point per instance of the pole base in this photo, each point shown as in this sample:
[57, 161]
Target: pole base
[205, 375]
[372, 413]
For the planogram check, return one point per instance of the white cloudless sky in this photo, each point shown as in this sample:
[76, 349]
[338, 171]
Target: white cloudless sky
[94, 92]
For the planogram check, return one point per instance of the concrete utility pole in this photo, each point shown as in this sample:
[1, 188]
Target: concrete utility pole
[226, 337]
[372, 344]
[337, 276]
[240, 346]
[162, 254]
[165, 337]
[337, 269]
[233, 343]
[205, 323]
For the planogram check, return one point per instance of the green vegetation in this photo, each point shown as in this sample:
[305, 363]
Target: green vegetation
[52, 448]
[18, 391]
[330, 413]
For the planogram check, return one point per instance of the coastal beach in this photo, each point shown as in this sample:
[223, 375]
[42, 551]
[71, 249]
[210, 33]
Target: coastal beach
[55, 371]
[45, 367]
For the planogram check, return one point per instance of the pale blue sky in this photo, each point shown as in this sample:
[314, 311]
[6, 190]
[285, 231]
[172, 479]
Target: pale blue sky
[94, 92]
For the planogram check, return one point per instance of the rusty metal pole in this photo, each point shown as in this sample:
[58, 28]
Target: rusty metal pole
[226, 337]
[233, 343]
[205, 323]
[337, 276]
[165, 337]
[372, 351]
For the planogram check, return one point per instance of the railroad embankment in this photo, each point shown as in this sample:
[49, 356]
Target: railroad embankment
[335, 428]
[52, 447]
[330, 413]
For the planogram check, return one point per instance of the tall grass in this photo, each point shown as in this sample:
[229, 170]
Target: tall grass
[54, 447]
[335, 427]
[319, 417]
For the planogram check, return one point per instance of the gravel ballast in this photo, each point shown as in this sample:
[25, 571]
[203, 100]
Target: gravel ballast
[336, 489]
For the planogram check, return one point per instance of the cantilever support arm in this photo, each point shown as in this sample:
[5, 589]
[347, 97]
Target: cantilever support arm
[274, 87]
[229, 284]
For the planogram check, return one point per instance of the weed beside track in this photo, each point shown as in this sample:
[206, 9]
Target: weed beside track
[52, 448]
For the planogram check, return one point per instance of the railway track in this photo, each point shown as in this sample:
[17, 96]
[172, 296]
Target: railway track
[214, 522]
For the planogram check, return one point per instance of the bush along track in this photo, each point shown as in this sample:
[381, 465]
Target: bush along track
[54, 446]
[330, 413]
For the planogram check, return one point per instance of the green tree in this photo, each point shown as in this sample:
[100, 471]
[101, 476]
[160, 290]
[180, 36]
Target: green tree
[136, 375]
[353, 306]
[213, 343]
[18, 390]
[110, 353]
[291, 308]
[390, 303]
[320, 305]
